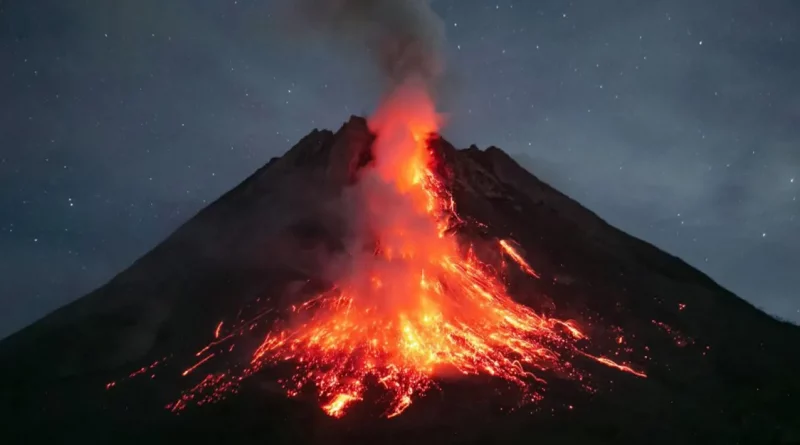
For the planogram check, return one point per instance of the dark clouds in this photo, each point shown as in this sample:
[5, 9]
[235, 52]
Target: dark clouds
[674, 120]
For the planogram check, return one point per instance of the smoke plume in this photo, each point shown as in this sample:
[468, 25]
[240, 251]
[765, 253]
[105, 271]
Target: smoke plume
[403, 37]
[386, 210]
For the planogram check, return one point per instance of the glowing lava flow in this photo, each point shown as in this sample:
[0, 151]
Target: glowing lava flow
[508, 249]
[416, 305]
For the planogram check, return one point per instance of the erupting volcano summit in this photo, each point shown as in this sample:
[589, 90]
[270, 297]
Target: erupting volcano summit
[406, 300]
[378, 285]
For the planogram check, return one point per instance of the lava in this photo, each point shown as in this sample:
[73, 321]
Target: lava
[415, 306]
[337, 406]
[608, 362]
[197, 365]
[512, 252]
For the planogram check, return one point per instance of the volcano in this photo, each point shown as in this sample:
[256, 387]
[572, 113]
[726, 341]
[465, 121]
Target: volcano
[490, 308]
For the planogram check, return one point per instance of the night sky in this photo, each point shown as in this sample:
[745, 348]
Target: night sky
[677, 121]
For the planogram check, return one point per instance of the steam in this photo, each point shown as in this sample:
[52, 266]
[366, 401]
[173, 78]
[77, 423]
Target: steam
[403, 37]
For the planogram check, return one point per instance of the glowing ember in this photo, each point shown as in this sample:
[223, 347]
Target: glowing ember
[416, 306]
[608, 362]
[197, 365]
[508, 249]
[336, 407]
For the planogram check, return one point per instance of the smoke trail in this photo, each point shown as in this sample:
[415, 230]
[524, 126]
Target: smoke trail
[404, 37]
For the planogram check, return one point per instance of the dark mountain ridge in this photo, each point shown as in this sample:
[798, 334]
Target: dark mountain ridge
[719, 370]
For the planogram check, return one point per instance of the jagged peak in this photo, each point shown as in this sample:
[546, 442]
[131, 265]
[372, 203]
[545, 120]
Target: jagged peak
[357, 122]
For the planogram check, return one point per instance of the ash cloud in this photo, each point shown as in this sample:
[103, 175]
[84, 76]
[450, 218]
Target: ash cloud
[404, 38]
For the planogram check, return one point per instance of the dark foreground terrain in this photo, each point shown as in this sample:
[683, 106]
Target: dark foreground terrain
[719, 370]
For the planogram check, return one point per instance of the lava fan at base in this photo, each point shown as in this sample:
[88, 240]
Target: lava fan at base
[414, 306]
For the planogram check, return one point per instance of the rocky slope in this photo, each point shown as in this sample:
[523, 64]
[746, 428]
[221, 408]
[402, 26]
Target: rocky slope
[719, 370]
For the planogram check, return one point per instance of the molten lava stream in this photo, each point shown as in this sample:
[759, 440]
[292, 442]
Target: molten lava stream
[417, 304]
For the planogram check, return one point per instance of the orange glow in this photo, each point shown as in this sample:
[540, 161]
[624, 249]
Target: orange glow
[336, 407]
[510, 251]
[418, 305]
[197, 365]
[608, 362]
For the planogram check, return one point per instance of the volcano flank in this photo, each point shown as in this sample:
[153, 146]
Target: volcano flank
[341, 295]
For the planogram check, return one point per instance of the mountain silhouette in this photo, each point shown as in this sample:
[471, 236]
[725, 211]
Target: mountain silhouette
[103, 369]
